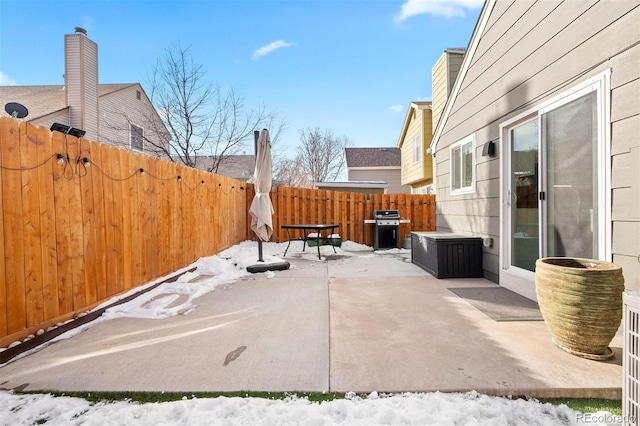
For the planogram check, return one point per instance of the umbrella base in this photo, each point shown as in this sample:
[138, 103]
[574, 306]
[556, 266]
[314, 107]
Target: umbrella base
[268, 266]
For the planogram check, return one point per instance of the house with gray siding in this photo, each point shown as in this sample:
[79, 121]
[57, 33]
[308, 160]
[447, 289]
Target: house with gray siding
[537, 150]
[117, 114]
[376, 165]
[239, 167]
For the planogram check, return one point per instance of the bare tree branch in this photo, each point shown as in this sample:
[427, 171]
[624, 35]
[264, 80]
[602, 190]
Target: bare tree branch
[205, 124]
[289, 172]
[321, 154]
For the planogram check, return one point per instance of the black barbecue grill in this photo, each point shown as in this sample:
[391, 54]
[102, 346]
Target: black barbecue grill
[386, 232]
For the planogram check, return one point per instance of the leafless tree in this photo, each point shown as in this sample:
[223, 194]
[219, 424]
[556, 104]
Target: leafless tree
[321, 154]
[289, 172]
[205, 123]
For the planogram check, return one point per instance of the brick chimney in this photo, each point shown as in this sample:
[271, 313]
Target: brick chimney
[81, 82]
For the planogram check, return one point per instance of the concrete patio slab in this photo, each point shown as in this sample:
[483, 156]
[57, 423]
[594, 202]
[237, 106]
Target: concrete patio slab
[257, 334]
[413, 334]
[353, 322]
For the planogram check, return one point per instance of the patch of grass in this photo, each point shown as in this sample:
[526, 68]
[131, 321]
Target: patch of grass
[588, 405]
[584, 405]
[146, 397]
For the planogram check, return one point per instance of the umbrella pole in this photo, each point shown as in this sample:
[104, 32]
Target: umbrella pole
[256, 136]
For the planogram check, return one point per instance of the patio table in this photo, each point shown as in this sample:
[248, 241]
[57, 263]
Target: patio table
[307, 228]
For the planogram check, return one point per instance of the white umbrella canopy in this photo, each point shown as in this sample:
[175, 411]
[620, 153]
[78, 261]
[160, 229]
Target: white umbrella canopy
[261, 209]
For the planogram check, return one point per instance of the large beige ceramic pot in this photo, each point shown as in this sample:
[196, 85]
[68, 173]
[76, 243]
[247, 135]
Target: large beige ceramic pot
[581, 303]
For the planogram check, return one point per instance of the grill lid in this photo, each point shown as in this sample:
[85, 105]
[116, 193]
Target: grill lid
[386, 214]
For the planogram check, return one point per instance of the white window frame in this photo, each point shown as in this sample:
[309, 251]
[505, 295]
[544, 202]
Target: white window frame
[131, 126]
[458, 145]
[417, 149]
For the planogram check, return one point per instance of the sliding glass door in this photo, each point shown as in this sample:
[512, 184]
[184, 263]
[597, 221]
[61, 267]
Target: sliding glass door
[571, 179]
[525, 229]
[554, 182]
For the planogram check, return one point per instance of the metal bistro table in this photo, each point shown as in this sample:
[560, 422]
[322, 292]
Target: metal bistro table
[306, 229]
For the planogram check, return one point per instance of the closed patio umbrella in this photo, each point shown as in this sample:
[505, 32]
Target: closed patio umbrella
[261, 209]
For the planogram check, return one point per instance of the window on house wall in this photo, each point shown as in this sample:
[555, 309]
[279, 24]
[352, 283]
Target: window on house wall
[136, 137]
[462, 166]
[138, 95]
[417, 147]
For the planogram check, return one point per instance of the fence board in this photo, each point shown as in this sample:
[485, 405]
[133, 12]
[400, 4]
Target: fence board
[111, 260]
[127, 227]
[147, 193]
[176, 214]
[13, 235]
[30, 224]
[118, 174]
[74, 208]
[3, 280]
[89, 239]
[61, 201]
[93, 194]
[166, 251]
[98, 274]
[46, 210]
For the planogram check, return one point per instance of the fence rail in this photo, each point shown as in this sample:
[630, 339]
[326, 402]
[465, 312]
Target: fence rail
[82, 221]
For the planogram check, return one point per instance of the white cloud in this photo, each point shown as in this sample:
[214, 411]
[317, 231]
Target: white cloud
[5, 80]
[265, 50]
[396, 108]
[445, 8]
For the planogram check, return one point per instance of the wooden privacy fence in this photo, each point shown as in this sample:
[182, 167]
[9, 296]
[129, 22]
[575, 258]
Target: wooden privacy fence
[347, 209]
[96, 222]
[82, 221]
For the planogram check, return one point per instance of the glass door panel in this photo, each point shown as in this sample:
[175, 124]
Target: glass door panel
[524, 195]
[571, 179]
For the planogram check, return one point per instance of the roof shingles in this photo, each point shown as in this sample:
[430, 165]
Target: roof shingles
[373, 157]
[43, 100]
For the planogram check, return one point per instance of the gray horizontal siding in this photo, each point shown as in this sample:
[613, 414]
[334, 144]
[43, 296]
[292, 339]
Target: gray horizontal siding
[528, 53]
[525, 77]
[624, 135]
[392, 177]
[630, 268]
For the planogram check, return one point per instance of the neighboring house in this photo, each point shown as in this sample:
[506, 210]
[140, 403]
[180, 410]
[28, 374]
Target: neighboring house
[537, 150]
[415, 137]
[443, 76]
[240, 167]
[118, 114]
[375, 165]
[363, 187]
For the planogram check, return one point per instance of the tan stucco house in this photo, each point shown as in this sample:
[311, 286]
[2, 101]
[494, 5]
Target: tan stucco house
[537, 150]
[415, 137]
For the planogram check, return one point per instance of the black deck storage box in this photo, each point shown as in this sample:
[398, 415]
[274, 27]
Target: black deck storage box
[447, 255]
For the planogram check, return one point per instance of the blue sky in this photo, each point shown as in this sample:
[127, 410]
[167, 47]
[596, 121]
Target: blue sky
[351, 66]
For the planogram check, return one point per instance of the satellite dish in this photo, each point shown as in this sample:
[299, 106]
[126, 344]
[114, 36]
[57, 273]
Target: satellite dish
[16, 110]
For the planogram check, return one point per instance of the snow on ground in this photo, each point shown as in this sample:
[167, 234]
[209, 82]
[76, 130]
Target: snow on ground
[178, 298]
[402, 409]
